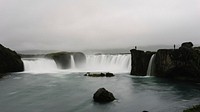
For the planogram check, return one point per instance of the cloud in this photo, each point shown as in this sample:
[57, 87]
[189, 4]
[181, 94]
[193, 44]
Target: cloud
[97, 24]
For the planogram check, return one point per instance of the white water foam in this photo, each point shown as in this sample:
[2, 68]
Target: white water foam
[150, 66]
[94, 63]
[39, 65]
[108, 63]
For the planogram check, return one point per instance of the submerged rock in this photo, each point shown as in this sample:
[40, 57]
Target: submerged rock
[99, 74]
[103, 96]
[10, 61]
[109, 74]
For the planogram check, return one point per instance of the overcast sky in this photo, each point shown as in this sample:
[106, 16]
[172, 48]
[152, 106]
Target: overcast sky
[97, 24]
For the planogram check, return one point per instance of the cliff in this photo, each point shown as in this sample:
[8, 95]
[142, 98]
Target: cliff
[10, 61]
[180, 64]
[140, 61]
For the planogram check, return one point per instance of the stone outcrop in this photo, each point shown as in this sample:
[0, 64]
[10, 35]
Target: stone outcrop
[182, 63]
[63, 59]
[140, 61]
[10, 61]
[103, 96]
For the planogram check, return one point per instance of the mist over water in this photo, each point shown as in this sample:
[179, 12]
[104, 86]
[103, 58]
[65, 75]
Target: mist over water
[94, 63]
[39, 65]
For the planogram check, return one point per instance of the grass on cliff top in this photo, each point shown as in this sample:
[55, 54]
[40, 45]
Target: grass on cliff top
[193, 109]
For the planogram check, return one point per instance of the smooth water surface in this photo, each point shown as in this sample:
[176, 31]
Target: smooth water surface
[73, 92]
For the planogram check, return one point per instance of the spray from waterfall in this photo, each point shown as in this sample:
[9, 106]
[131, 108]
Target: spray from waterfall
[109, 63]
[39, 65]
[151, 66]
[120, 63]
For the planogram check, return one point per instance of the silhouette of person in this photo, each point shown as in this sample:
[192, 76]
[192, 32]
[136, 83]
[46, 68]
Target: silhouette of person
[135, 47]
[174, 46]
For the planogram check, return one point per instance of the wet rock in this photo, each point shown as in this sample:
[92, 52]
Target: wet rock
[109, 74]
[103, 96]
[99, 74]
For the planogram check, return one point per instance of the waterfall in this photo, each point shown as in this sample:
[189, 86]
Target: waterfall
[39, 65]
[109, 63]
[120, 63]
[151, 65]
[72, 62]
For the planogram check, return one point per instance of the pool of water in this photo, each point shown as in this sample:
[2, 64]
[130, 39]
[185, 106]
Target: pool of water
[73, 92]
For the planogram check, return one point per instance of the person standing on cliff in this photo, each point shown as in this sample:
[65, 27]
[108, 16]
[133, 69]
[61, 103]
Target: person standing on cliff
[135, 47]
[174, 46]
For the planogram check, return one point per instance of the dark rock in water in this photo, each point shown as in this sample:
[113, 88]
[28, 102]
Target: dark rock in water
[62, 59]
[103, 96]
[139, 62]
[10, 61]
[99, 74]
[95, 74]
[181, 64]
[79, 59]
[109, 74]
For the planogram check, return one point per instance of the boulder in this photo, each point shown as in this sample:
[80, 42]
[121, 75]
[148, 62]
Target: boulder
[62, 59]
[187, 45]
[109, 74]
[139, 62]
[10, 61]
[103, 96]
[99, 74]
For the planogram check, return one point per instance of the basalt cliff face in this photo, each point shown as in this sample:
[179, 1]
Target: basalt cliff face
[10, 61]
[140, 61]
[181, 64]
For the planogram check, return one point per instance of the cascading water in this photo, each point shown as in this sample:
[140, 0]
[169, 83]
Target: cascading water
[39, 65]
[151, 66]
[72, 62]
[94, 63]
[109, 63]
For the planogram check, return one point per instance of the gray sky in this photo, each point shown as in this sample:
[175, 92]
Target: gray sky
[97, 24]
